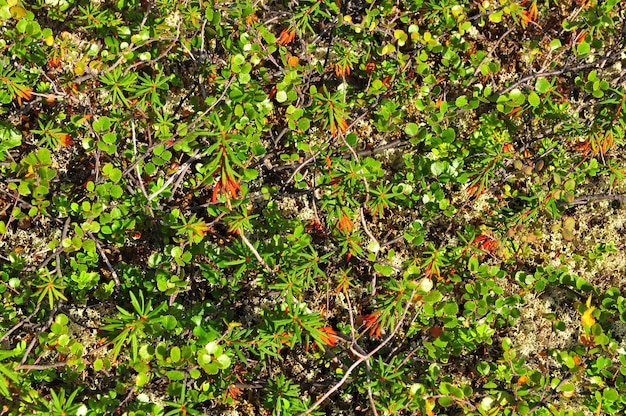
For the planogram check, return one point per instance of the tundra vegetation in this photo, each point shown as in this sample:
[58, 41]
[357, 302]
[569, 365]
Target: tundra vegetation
[312, 207]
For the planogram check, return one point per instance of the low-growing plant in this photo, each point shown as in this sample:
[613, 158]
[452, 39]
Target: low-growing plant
[130, 327]
[381, 207]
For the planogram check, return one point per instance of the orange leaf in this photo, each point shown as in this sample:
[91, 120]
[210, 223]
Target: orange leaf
[515, 112]
[292, 61]
[233, 187]
[66, 140]
[588, 340]
[25, 93]
[430, 405]
[345, 224]
[530, 15]
[286, 36]
[328, 336]
[579, 38]
[485, 243]
[475, 190]
[508, 148]
[200, 228]
[340, 125]
[343, 125]
[232, 391]
[436, 331]
[251, 19]
[371, 322]
[341, 70]
[216, 191]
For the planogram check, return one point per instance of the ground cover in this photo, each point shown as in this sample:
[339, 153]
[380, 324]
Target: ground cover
[312, 207]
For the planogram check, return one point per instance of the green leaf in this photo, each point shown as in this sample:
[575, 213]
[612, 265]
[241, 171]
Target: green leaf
[384, 270]
[5, 12]
[486, 404]
[567, 387]
[461, 101]
[141, 379]
[175, 375]
[304, 124]
[176, 251]
[448, 135]
[175, 354]
[213, 348]
[400, 36]
[239, 59]
[116, 191]
[451, 308]
[473, 264]
[141, 367]
[115, 175]
[496, 17]
[411, 129]
[610, 394]
[109, 138]
[446, 401]
[457, 392]
[149, 168]
[250, 174]
[162, 283]
[169, 322]
[583, 48]
[517, 96]
[223, 361]
[433, 297]
[281, 96]
[438, 167]
[533, 99]
[542, 85]
[9, 138]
